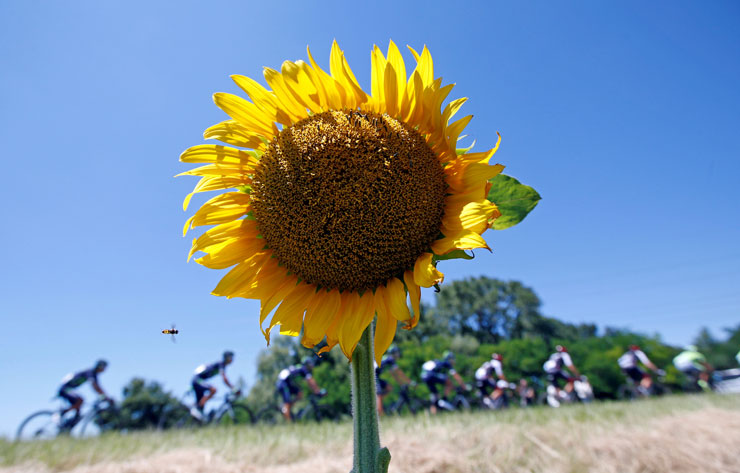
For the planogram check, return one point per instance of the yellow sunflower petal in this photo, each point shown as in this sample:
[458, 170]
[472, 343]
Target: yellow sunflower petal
[290, 313]
[224, 232]
[385, 329]
[424, 65]
[284, 95]
[390, 91]
[231, 132]
[395, 300]
[246, 113]
[240, 275]
[265, 100]
[351, 326]
[461, 240]
[330, 97]
[268, 304]
[301, 86]
[268, 280]
[231, 252]
[319, 315]
[415, 298]
[346, 308]
[212, 183]
[377, 79]
[425, 274]
[218, 154]
[220, 209]
[472, 216]
[399, 67]
[342, 73]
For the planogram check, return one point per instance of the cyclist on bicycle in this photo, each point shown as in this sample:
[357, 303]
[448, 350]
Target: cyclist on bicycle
[485, 380]
[434, 372]
[694, 365]
[388, 364]
[288, 388]
[554, 370]
[75, 380]
[205, 391]
[630, 361]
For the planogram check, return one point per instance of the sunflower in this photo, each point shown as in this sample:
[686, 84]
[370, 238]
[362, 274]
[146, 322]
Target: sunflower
[339, 204]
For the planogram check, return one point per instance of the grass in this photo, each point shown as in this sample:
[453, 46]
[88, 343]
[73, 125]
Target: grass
[677, 434]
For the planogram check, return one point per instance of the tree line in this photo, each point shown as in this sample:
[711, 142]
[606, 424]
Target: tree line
[473, 318]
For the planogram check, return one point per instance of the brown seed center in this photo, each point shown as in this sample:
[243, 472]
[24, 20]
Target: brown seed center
[348, 200]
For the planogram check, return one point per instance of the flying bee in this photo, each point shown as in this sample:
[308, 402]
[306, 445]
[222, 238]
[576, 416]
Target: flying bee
[171, 331]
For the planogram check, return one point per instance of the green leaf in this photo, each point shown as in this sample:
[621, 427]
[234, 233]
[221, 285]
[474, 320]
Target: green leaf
[513, 199]
[454, 254]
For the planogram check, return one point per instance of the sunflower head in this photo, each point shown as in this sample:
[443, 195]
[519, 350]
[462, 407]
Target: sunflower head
[336, 205]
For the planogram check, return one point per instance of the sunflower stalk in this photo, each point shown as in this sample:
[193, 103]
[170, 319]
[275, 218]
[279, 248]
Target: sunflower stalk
[368, 456]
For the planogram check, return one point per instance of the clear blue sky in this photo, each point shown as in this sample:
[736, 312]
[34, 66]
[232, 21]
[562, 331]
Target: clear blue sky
[624, 115]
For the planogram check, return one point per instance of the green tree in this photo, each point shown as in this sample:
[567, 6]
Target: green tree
[142, 405]
[488, 309]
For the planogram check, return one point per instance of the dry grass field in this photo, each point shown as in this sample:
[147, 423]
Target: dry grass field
[678, 434]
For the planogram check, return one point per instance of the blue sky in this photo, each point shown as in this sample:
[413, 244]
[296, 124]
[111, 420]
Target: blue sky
[624, 116]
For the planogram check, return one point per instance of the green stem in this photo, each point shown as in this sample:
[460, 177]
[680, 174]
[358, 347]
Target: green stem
[368, 457]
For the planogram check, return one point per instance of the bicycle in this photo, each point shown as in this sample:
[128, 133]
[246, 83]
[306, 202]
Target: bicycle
[313, 410]
[47, 424]
[228, 413]
[631, 390]
[405, 401]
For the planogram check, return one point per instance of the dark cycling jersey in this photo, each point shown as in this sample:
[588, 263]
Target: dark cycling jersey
[286, 383]
[291, 373]
[437, 367]
[388, 363]
[78, 379]
[209, 371]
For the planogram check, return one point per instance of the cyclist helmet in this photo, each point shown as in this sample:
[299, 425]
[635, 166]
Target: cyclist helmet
[228, 355]
[449, 356]
[394, 351]
[307, 361]
[561, 349]
[635, 347]
[497, 356]
[100, 365]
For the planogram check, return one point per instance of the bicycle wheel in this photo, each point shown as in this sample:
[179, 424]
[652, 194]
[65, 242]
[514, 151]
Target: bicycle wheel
[38, 426]
[235, 415]
[268, 415]
[177, 418]
[626, 393]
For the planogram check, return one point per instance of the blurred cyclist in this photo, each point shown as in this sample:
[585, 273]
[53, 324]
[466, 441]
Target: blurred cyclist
[485, 380]
[526, 393]
[630, 361]
[205, 391]
[434, 372]
[75, 380]
[288, 388]
[388, 364]
[694, 365]
[554, 370]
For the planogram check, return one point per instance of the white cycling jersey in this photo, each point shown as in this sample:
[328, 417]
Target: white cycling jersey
[557, 361]
[630, 359]
[487, 368]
